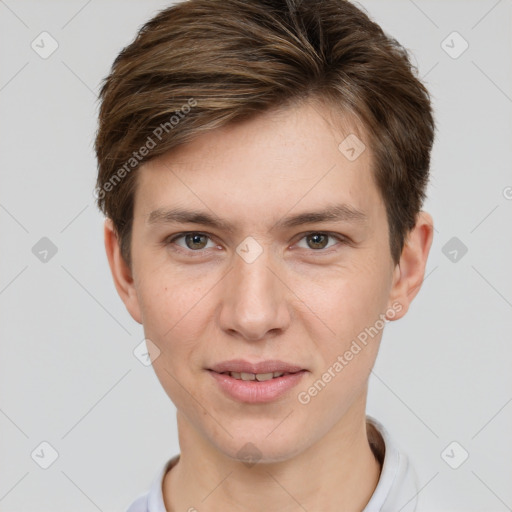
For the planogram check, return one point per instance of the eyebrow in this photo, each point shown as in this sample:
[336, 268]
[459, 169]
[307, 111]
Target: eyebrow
[333, 213]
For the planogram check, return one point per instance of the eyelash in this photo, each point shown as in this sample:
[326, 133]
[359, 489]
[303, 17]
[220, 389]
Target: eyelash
[200, 252]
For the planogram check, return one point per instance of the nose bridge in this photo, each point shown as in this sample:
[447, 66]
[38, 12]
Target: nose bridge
[254, 301]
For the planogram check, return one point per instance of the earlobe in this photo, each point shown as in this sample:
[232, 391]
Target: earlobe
[121, 272]
[409, 273]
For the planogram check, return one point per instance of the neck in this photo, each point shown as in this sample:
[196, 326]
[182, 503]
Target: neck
[339, 472]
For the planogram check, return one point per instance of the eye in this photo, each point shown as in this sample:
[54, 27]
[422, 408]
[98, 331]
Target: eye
[193, 241]
[196, 242]
[319, 241]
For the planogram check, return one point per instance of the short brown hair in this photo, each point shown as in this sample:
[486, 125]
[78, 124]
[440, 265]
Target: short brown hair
[201, 64]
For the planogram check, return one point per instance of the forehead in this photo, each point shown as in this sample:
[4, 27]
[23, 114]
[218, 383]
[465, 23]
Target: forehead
[293, 159]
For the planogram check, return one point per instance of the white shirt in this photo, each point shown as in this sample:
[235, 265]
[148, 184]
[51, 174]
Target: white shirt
[396, 490]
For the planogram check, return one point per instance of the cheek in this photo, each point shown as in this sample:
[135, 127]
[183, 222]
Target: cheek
[171, 299]
[175, 313]
[352, 307]
[350, 300]
[174, 319]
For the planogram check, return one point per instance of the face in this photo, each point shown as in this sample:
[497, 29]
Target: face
[228, 263]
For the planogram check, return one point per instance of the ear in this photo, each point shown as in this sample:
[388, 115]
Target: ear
[121, 272]
[409, 273]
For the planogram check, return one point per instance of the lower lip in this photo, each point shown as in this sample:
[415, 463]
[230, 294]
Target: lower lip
[255, 392]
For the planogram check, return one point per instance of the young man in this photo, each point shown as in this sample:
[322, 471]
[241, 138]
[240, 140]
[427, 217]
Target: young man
[262, 167]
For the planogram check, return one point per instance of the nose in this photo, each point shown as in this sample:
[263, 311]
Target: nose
[255, 302]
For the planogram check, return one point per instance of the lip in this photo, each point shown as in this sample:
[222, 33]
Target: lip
[253, 391]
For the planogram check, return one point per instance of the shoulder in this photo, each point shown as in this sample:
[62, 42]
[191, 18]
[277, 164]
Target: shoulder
[152, 500]
[140, 504]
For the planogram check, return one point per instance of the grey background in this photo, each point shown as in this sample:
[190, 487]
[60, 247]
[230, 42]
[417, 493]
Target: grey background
[68, 375]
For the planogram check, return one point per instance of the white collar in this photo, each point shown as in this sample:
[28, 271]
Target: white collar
[397, 488]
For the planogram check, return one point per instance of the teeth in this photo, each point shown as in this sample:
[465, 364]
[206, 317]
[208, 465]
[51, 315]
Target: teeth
[260, 377]
[264, 376]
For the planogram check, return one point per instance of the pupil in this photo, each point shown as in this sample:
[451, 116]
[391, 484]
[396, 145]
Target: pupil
[195, 240]
[318, 239]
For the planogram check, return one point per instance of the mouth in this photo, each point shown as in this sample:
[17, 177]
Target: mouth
[256, 382]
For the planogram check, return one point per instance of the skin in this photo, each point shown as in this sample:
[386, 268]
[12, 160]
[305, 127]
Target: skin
[298, 301]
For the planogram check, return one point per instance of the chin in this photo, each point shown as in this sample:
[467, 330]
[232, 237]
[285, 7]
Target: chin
[259, 448]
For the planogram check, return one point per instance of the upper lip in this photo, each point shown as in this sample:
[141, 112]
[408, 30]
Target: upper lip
[269, 366]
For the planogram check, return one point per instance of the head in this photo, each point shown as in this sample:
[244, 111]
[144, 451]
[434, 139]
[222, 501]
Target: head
[222, 126]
